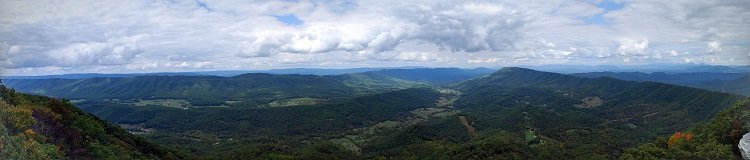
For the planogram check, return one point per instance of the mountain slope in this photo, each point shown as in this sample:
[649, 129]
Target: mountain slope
[36, 127]
[716, 139]
[583, 112]
[281, 120]
[250, 89]
[182, 86]
[738, 83]
[437, 76]
[291, 126]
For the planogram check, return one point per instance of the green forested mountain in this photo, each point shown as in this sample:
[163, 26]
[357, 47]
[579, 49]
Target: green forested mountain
[740, 85]
[436, 76]
[584, 114]
[737, 83]
[250, 89]
[37, 127]
[513, 113]
[328, 118]
[716, 139]
[286, 125]
[192, 87]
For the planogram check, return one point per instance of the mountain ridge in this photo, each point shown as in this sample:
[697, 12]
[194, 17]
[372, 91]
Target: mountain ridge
[38, 127]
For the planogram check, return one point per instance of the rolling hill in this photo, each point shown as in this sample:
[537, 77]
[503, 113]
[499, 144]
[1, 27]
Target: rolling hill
[197, 130]
[435, 76]
[582, 112]
[715, 139]
[37, 127]
[399, 114]
[249, 89]
[737, 83]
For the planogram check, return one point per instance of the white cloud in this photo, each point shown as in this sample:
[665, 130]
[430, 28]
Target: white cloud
[714, 46]
[416, 56]
[484, 60]
[111, 52]
[121, 35]
[632, 47]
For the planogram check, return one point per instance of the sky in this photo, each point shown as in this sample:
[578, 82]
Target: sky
[39, 37]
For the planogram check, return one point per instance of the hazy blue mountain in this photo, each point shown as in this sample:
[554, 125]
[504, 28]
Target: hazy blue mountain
[725, 82]
[668, 68]
[438, 76]
[251, 88]
[223, 73]
[99, 75]
[232, 73]
[303, 71]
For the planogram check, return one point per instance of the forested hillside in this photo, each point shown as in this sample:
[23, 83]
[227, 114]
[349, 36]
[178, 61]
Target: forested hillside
[584, 113]
[248, 89]
[293, 126]
[436, 76]
[37, 127]
[716, 139]
[737, 83]
[513, 113]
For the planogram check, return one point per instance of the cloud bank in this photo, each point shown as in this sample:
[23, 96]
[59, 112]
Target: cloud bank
[39, 36]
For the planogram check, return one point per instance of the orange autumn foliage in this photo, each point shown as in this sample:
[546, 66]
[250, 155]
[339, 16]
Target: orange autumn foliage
[674, 139]
[29, 132]
[688, 136]
[679, 136]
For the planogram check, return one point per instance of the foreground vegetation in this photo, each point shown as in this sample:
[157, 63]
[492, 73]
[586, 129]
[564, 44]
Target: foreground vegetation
[716, 139]
[37, 127]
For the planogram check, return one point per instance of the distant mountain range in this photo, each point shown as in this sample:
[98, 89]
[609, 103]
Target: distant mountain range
[221, 73]
[433, 113]
[667, 68]
[566, 69]
[580, 112]
[738, 83]
[250, 87]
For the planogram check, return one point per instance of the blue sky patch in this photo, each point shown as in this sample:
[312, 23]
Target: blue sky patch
[289, 19]
[202, 5]
[607, 5]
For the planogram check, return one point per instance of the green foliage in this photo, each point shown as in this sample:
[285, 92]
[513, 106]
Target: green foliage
[737, 83]
[488, 145]
[19, 119]
[435, 76]
[290, 124]
[715, 139]
[87, 125]
[632, 113]
[39, 127]
[326, 151]
[253, 89]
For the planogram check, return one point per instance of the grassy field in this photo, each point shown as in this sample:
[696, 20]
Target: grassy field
[174, 103]
[296, 102]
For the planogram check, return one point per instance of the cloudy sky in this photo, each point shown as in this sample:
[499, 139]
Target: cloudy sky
[102, 36]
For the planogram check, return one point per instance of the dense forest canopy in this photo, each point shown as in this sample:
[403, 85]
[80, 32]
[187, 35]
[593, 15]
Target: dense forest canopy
[512, 113]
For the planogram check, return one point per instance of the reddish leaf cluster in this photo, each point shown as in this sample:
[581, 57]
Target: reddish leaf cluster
[679, 136]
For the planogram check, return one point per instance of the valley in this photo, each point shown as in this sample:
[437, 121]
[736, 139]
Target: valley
[374, 80]
[373, 114]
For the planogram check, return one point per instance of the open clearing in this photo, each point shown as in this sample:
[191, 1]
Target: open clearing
[174, 103]
[590, 102]
[295, 102]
